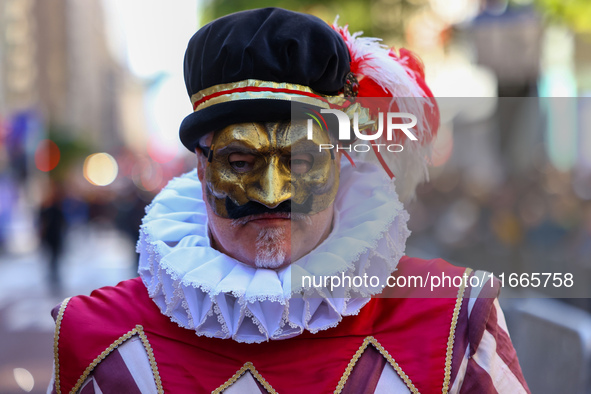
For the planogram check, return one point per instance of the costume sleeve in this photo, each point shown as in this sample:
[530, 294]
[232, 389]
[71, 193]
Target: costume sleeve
[487, 362]
[125, 368]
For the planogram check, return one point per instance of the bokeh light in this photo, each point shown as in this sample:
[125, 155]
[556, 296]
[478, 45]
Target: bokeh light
[100, 169]
[47, 155]
[147, 175]
[161, 151]
[24, 379]
[455, 11]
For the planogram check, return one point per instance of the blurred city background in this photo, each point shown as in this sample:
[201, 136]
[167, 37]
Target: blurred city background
[91, 97]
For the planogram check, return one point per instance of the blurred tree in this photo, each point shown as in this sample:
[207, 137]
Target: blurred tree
[376, 18]
[575, 13]
[72, 150]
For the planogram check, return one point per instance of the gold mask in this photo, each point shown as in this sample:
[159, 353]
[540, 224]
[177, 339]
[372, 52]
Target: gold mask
[270, 163]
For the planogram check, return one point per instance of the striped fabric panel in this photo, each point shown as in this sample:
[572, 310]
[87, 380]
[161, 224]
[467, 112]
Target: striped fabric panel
[136, 359]
[246, 384]
[484, 359]
[366, 373]
[493, 366]
[125, 370]
[390, 382]
[505, 358]
[479, 310]
[372, 374]
[461, 342]
[463, 329]
[477, 380]
[460, 373]
[482, 291]
[112, 375]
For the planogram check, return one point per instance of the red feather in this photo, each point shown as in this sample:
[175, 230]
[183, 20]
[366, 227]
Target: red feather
[391, 81]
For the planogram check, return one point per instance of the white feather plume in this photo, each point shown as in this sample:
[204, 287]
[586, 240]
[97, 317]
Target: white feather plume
[371, 59]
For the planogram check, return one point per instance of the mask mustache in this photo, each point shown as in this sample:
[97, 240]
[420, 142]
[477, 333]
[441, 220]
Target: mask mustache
[254, 208]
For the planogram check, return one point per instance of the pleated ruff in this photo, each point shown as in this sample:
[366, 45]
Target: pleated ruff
[204, 290]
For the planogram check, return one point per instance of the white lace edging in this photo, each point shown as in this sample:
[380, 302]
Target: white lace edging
[204, 290]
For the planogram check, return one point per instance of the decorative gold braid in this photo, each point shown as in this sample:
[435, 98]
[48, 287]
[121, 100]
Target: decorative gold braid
[137, 330]
[248, 366]
[153, 364]
[394, 365]
[352, 363]
[248, 95]
[385, 354]
[56, 338]
[452, 333]
[238, 96]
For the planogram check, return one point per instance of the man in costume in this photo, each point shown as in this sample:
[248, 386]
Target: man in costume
[221, 304]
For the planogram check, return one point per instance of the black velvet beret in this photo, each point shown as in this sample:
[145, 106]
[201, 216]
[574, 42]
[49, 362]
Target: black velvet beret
[232, 53]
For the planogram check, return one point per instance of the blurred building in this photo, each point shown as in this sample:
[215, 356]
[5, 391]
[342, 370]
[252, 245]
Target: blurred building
[59, 80]
[55, 61]
[18, 65]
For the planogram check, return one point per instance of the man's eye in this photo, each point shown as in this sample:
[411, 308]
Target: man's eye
[301, 163]
[241, 162]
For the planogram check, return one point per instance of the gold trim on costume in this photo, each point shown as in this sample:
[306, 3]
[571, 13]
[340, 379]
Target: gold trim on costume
[452, 333]
[137, 330]
[153, 364]
[56, 337]
[319, 101]
[248, 366]
[261, 95]
[385, 354]
[257, 83]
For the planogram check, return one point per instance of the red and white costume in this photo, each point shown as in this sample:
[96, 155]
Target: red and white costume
[199, 321]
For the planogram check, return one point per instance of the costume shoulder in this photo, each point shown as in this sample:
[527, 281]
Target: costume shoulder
[415, 320]
[88, 328]
[484, 359]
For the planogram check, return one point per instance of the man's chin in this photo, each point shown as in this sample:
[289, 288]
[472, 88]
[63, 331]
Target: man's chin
[270, 246]
[273, 265]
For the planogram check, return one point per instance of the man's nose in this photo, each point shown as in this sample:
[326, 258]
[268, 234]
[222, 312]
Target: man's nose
[274, 185]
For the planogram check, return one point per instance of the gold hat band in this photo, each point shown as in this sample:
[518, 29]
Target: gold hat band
[253, 89]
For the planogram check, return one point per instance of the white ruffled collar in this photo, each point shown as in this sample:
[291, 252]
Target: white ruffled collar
[204, 290]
